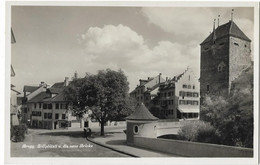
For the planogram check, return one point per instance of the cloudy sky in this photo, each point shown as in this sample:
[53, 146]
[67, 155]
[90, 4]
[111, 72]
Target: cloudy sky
[54, 42]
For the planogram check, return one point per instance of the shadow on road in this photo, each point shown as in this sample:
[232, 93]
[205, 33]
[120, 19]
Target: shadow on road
[116, 142]
[75, 134]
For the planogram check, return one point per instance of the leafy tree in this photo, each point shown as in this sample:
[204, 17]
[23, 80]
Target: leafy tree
[105, 94]
[232, 116]
[198, 131]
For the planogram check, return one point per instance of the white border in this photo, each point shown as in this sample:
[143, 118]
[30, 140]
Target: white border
[113, 161]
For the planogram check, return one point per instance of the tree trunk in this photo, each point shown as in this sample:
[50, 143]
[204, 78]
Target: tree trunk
[102, 132]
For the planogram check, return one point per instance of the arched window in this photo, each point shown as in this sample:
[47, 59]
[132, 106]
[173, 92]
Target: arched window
[221, 66]
[136, 129]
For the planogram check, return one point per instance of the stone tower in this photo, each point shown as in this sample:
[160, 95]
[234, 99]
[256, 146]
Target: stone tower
[224, 54]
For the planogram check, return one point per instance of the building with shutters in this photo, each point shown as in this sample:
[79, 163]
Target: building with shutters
[46, 107]
[147, 89]
[178, 98]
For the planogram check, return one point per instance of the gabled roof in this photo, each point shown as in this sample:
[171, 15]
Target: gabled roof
[58, 85]
[142, 114]
[55, 90]
[39, 98]
[30, 89]
[229, 28]
[58, 98]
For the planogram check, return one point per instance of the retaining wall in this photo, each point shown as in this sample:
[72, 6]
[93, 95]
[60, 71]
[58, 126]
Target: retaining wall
[191, 149]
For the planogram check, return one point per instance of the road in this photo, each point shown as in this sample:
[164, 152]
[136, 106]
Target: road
[59, 143]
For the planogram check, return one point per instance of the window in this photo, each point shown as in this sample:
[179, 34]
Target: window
[169, 93]
[44, 106]
[136, 129]
[195, 94]
[193, 87]
[40, 105]
[180, 93]
[207, 88]
[36, 113]
[57, 106]
[245, 46]
[189, 102]
[49, 106]
[35, 106]
[221, 66]
[195, 103]
[56, 116]
[189, 94]
[189, 86]
[196, 114]
[184, 86]
[49, 115]
[181, 102]
[45, 115]
[63, 116]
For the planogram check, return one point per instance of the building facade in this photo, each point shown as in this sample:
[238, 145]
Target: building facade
[178, 98]
[225, 53]
[47, 108]
[146, 90]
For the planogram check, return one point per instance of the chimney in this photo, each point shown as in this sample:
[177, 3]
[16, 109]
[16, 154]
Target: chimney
[66, 81]
[41, 84]
[160, 77]
[75, 75]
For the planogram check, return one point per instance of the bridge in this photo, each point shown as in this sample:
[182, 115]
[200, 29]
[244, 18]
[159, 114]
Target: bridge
[168, 127]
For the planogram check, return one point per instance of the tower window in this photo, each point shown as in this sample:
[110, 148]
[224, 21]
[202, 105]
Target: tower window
[221, 66]
[236, 44]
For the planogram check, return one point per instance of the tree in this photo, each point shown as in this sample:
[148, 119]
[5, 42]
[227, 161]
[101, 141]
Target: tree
[105, 94]
[232, 116]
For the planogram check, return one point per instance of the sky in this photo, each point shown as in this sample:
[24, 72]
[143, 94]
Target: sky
[54, 42]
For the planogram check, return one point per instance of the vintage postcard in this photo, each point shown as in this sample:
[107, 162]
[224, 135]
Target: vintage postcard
[145, 82]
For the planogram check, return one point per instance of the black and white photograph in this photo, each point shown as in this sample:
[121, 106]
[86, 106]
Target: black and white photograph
[116, 80]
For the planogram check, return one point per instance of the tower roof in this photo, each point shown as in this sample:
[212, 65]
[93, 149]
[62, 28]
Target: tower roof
[141, 113]
[229, 28]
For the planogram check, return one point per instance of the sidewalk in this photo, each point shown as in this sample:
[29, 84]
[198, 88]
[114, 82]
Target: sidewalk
[116, 140]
